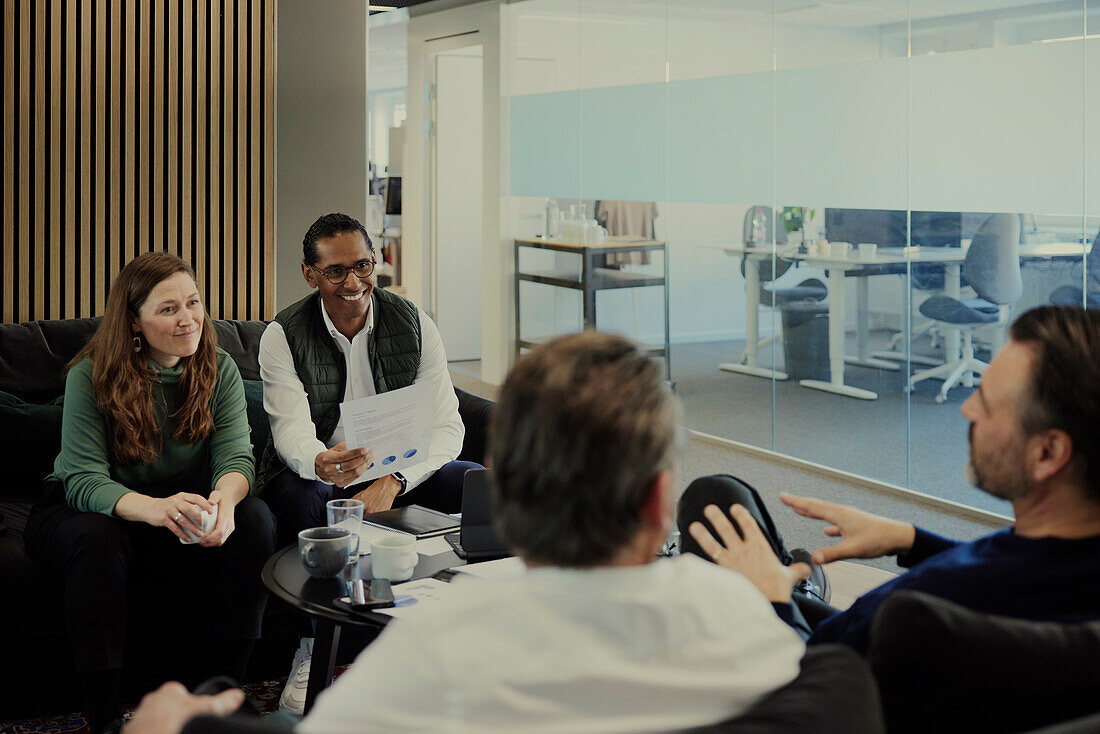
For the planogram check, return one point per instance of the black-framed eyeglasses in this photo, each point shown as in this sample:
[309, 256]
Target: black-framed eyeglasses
[337, 274]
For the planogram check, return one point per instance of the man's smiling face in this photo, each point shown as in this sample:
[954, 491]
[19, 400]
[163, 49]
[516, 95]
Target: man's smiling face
[349, 300]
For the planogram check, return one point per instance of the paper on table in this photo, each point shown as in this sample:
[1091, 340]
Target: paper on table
[427, 547]
[432, 546]
[407, 596]
[502, 568]
[396, 426]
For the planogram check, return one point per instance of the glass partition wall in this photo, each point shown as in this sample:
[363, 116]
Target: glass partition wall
[830, 182]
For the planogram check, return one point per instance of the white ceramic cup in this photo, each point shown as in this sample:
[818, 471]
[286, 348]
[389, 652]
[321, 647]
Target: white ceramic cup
[208, 521]
[867, 250]
[840, 249]
[393, 557]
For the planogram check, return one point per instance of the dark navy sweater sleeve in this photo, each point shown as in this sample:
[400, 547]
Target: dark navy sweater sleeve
[925, 545]
[1002, 573]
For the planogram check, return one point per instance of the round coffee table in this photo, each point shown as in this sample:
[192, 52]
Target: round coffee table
[286, 577]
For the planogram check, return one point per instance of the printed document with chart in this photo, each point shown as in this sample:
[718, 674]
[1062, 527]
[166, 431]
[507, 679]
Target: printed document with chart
[396, 426]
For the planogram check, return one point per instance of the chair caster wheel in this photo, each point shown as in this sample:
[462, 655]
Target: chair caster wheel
[940, 398]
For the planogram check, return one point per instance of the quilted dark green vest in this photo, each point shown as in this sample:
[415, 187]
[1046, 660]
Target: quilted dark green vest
[394, 346]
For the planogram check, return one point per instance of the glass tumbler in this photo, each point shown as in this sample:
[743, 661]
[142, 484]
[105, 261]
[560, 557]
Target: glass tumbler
[347, 514]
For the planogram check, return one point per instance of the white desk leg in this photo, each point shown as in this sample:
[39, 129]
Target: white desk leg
[752, 327]
[863, 357]
[836, 345]
[952, 287]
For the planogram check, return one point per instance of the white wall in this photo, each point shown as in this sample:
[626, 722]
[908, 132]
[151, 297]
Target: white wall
[430, 33]
[458, 202]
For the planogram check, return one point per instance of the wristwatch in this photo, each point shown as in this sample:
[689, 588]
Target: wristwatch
[401, 478]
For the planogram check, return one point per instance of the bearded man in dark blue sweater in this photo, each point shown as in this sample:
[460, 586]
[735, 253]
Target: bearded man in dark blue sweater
[1033, 441]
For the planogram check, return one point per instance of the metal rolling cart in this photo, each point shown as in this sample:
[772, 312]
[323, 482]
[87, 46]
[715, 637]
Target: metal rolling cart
[593, 277]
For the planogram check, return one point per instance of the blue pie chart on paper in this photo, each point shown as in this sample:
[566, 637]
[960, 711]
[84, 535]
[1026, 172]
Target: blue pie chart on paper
[409, 454]
[389, 460]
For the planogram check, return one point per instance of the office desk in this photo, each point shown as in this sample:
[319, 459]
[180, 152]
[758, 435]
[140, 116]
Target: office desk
[836, 269]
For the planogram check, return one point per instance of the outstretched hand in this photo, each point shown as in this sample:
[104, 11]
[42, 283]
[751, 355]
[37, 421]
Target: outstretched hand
[748, 552]
[863, 535]
[167, 709]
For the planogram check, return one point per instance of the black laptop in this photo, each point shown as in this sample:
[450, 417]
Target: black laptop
[477, 538]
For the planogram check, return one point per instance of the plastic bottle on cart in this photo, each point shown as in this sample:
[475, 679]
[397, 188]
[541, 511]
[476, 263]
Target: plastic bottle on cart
[553, 218]
[759, 227]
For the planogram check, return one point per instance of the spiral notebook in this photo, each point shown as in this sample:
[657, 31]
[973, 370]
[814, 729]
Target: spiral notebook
[420, 522]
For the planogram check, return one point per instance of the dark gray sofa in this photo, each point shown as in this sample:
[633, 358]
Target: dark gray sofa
[38, 676]
[945, 668]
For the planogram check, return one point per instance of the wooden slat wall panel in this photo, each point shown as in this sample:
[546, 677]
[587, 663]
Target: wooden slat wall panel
[8, 293]
[131, 126]
[71, 179]
[215, 241]
[229, 158]
[56, 113]
[40, 166]
[23, 186]
[101, 271]
[201, 174]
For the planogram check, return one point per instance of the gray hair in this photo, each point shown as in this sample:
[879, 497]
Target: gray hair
[583, 426]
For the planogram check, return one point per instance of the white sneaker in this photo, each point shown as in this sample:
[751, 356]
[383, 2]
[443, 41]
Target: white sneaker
[294, 694]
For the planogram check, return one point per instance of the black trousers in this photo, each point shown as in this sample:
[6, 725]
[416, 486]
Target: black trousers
[109, 568]
[300, 503]
[725, 490]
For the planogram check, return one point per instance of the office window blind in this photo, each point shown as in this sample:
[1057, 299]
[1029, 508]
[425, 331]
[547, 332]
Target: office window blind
[132, 126]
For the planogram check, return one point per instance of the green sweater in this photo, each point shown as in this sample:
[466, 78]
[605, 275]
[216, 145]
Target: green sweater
[94, 484]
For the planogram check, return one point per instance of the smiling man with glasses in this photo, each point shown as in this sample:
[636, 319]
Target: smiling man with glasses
[349, 340]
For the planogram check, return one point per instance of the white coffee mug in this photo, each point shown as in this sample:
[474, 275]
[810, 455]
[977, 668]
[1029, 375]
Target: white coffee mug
[867, 250]
[841, 249]
[393, 557]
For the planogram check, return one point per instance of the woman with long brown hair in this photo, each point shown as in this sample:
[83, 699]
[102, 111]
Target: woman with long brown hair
[154, 441]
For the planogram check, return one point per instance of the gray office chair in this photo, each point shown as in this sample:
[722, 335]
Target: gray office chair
[992, 267]
[810, 289]
[1075, 295]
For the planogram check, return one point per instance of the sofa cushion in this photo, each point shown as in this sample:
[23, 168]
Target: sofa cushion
[259, 427]
[33, 356]
[943, 667]
[241, 340]
[475, 412]
[834, 693]
[31, 437]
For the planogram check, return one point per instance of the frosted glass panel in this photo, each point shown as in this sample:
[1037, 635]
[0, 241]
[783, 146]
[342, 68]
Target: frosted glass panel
[999, 129]
[615, 141]
[841, 135]
[885, 123]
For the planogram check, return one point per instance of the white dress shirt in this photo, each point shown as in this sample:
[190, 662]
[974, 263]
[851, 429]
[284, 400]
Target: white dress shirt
[287, 405]
[671, 645]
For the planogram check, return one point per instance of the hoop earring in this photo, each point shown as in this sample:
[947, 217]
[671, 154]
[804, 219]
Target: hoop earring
[137, 343]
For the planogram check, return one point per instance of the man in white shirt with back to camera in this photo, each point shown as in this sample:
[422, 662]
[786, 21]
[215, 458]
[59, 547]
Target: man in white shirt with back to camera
[597, 634]
[347, 340]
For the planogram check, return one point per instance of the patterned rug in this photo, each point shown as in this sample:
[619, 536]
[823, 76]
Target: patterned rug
[264, 694]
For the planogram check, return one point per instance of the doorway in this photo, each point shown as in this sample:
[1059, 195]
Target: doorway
[457, 200]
